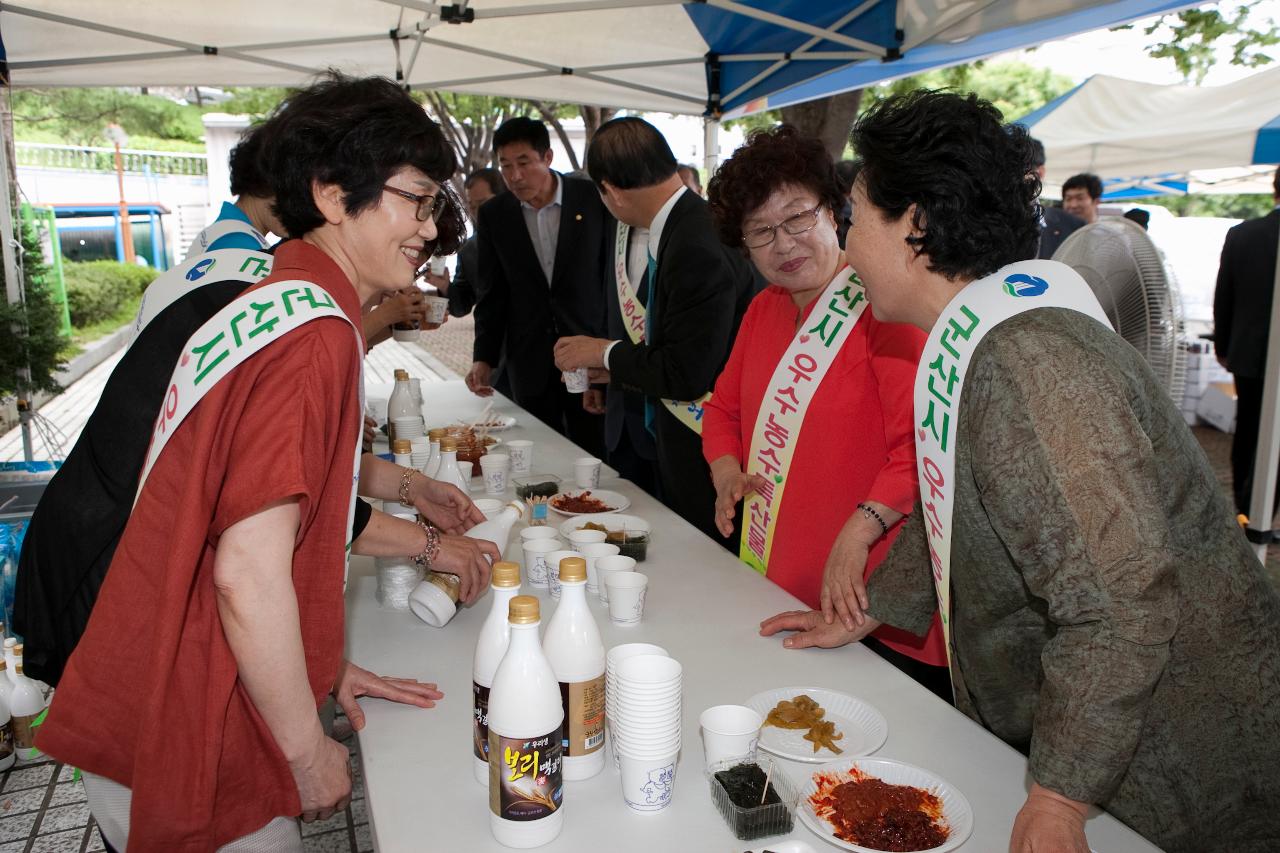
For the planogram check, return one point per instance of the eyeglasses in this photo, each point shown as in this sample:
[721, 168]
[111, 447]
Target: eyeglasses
[758, 238]
[429, 206]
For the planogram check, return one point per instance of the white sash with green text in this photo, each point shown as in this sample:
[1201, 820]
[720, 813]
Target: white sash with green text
[792, 387]
[247, 325]
[975, 311]
[633, 318]
[196, 271]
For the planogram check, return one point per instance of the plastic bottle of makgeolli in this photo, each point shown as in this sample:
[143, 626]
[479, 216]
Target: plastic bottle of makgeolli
[490, 647]
[574, 648]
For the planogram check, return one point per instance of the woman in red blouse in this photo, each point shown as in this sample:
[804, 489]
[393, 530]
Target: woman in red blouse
[810, 422]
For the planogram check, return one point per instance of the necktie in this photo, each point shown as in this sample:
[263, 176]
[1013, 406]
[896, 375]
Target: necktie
[650, 410]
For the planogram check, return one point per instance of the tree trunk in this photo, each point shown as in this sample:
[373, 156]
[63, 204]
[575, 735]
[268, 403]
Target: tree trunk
[829, 119]
[550, 116]
[593, 117]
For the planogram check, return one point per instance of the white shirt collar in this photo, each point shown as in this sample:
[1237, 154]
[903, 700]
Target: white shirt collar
[660, 220]
[555, 200]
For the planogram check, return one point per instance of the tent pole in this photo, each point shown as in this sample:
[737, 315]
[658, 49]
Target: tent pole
[1266, 461]
[12, 278]
[710, 145]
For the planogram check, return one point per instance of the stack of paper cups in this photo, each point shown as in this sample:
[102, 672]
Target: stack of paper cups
[397, 576]
[643, 710]
[421, 451]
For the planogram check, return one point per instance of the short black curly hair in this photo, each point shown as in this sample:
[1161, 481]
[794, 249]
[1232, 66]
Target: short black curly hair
[247, 176]
[352, 132]
[768, 160]
[971, 178]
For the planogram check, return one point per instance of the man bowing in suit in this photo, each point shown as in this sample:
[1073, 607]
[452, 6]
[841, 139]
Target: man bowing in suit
[677, 343]
[543, 250]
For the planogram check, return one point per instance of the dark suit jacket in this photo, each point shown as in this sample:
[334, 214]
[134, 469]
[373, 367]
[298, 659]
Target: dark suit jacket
[1058, 226]
[518, 307]
[1242, 301]
[624, 404]
[702, 290]
[462, 291]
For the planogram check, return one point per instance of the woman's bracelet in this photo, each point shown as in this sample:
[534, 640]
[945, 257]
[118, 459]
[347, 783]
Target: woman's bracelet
[431, 549]
[871, 513]
[405, 477]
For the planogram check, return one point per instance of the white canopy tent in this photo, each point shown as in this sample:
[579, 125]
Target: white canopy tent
[1197, 139]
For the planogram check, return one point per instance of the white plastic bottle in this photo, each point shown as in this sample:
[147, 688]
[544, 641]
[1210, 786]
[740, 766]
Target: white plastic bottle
[498, 529]
[435, 599]
[576, 652]
[449, 472]
[26, 703]
[10, 659]
[433, 459]
[490, 647]
[400, 404]
[7, 753]
[526, 781]
[402, 451]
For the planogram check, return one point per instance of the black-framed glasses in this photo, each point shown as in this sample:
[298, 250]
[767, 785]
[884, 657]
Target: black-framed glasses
[758, 238]
[429, 206]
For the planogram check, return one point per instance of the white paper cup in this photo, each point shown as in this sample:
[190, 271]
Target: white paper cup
[586, 536]
[592, 552]
[647, 783]
[521, 452]
[575, 381]
[621, 652]
[494, 468]
[553, 569]
[437, 308]
[626, 596]
[489, 506]
[729, 732]
[605, 565]
[531, 533]
[406, 336]
[536, 570]
[586, 472]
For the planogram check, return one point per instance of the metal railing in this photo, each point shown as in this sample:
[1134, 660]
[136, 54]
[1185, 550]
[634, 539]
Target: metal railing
[40, 155]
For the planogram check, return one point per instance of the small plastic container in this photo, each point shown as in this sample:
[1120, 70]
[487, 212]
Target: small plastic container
[775, 817]
[535, 485]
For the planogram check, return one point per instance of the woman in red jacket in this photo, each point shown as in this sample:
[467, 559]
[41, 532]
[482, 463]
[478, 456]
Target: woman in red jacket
[810, 422]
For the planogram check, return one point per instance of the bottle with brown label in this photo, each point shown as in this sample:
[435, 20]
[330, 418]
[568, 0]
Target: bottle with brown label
[495, 633]
[26, 705]
[526, 773]
[576, 652]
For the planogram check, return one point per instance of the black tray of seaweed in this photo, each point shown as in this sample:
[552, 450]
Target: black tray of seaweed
[737, 792]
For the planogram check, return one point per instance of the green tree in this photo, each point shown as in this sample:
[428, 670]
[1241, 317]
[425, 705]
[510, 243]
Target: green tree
[37, 322]
[79, 116]
[1244, 206]
[1191, 38]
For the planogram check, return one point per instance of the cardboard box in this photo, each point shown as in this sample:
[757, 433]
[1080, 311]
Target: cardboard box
[1218, 406]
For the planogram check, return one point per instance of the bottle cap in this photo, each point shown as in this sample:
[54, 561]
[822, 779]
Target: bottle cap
[506, 574]
[437, 433]
[17, 648]
[402, 445]
[448, 444]
[573, 569]
[401, 375]
[523, 610]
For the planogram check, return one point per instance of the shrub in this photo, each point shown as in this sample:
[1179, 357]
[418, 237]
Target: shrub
[97, 289]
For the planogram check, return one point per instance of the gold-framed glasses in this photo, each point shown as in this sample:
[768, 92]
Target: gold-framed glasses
[758, 238]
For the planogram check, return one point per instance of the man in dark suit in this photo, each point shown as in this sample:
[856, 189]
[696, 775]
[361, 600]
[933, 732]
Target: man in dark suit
[481, 185]
[1241, 327]
[543, 253]
[1056, 225]
[697, 294]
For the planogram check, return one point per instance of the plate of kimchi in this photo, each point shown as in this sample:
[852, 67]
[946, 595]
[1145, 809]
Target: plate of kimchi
[588, 502]
[872, 805]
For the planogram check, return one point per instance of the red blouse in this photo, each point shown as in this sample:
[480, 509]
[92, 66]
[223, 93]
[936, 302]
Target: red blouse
[151, 697]
[856, 443]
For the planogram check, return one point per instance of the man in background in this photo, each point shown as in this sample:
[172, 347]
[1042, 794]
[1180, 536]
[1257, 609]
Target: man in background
[1056, 225]
[1081, 195]
[543, 257]
[481, 185]
[1241, 328]
[691, 179]
[697, 291]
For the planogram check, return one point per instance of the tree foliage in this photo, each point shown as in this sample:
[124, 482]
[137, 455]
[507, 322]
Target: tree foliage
[80, 116]
[37, 321]
[1191, 38]
[1243, 206]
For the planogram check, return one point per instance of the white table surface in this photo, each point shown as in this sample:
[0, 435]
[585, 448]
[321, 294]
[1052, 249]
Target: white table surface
[704, 607]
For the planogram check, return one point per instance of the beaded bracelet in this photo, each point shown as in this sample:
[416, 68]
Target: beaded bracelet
[405, 477]
[431, 549]
[871, 513]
